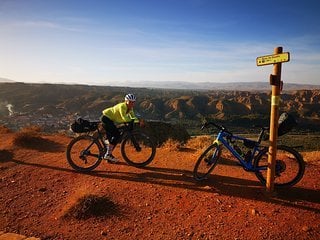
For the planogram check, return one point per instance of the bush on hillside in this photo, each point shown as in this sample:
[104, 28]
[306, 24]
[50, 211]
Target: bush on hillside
[162, 131]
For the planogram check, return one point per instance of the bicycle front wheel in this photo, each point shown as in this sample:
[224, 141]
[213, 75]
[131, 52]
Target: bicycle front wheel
[289, 168]
[138, 149]
[207, 162]
[84, 153]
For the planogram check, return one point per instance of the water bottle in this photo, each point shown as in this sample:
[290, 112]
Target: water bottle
[247, 156]
[238, 150]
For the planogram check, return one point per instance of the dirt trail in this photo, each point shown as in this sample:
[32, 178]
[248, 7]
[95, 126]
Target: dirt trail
[161, 201]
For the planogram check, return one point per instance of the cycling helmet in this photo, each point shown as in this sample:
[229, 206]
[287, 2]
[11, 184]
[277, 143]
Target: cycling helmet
[130, 97]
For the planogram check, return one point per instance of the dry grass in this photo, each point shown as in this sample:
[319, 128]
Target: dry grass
[28, 137]
[35, 130]
[311, 157]
[4, 129]
[171, 145]
[91, 205]
[199, 142]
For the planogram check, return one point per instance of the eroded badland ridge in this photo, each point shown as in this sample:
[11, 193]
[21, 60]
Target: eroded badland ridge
[55, 105]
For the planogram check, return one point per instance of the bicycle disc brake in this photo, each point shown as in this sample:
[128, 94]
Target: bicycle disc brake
[83, 155]
[280, 167]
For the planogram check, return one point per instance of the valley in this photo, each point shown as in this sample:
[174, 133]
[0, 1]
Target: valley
[54, 106]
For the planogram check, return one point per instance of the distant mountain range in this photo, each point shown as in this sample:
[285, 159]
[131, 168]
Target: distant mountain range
[4, 80]
[230, 86]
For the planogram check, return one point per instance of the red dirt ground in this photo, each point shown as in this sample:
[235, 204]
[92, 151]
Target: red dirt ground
[161, 201]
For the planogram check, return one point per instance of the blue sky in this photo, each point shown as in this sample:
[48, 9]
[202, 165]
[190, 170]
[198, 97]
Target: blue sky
[114, 41]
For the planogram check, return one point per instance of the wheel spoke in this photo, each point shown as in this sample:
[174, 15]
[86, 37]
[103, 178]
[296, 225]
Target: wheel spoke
[289, 167]
[83, 153]
[206, 162]
[138, 149]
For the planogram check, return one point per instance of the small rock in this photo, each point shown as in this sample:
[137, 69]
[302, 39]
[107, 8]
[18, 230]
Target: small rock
[190, 234]
[306, 228]
[42, 189]
[254, 212]
[276, 210]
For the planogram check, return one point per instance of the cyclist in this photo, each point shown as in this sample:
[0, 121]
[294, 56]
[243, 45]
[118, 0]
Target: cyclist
[120, 113]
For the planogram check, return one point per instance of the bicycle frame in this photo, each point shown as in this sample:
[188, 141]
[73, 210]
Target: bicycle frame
[225, 138]
[99, 135]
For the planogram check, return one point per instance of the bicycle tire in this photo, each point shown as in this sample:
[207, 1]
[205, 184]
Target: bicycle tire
[84, 153]
[138, 149]
[207, 162]
[287, 159]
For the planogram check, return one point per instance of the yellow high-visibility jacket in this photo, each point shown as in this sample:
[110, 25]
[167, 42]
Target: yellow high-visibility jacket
[120, 114]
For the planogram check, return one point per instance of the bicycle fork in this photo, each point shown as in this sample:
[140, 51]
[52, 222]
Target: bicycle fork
[135, 142]
[215, 153]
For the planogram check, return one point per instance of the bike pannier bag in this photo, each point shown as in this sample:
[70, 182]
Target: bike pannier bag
[81, 125]
[286, 123]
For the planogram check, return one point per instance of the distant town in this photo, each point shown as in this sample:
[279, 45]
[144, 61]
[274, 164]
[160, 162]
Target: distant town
[48, 122]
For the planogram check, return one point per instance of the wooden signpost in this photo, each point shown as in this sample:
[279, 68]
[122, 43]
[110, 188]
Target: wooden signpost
[275, 81]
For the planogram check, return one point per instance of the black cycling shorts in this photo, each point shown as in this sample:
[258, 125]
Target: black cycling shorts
[112, 131]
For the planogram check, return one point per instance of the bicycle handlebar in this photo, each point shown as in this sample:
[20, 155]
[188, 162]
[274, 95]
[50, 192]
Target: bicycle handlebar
[261, 127]
[224, 129]
[219, 127]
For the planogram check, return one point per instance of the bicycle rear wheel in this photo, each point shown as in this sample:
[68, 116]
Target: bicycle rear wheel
[137, 149]
[84, 153]
[207, 162]
[289, 167]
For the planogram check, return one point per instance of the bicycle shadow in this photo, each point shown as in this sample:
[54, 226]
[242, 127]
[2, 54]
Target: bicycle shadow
[223, 185]
[229, 161]
[294, 197]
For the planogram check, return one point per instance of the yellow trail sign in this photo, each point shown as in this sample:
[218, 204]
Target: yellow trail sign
[272, 59]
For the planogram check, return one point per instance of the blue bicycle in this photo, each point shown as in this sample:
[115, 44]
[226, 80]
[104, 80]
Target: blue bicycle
[252, 156]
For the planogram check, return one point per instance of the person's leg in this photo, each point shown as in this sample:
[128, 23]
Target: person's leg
[113, 136]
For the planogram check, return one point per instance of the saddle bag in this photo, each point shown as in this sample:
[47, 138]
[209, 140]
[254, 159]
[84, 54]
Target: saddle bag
[286, 123]
[81, 125]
